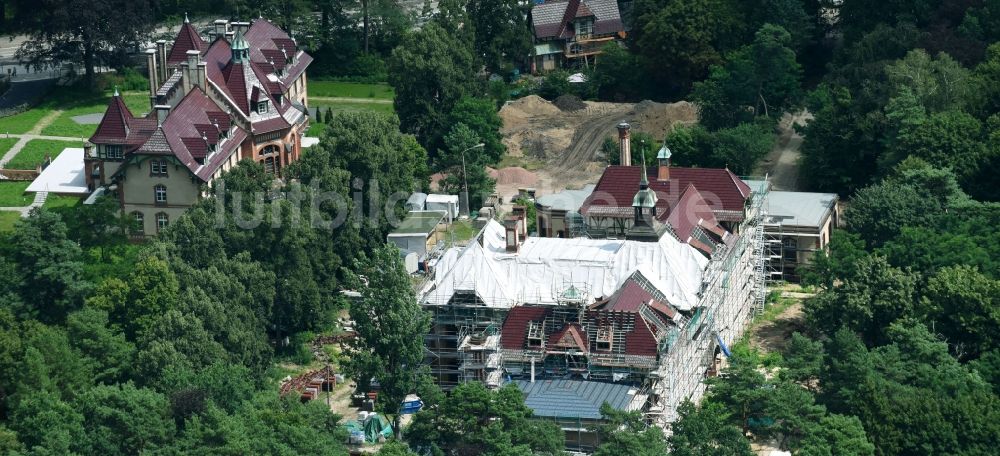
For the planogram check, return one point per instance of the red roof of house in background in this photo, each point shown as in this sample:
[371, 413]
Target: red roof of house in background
[721, 189]
[187, 40]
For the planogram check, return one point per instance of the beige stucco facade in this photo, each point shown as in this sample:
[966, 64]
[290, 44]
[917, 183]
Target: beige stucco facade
[139, 186]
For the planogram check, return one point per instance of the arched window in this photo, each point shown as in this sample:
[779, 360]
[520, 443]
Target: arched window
[269, 165]
[139, 222]
[160, 194]
[271, 149]
[162, 221]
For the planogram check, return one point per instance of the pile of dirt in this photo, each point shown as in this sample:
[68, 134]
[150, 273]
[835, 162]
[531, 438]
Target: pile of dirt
[658, 119]
[569, 103]
[513, 175]
[520, 112]
[567, 134]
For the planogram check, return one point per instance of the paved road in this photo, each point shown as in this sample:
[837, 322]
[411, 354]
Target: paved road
[782, 163]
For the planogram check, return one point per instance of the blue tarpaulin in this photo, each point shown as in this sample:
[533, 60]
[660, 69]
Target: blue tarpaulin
[723, 346]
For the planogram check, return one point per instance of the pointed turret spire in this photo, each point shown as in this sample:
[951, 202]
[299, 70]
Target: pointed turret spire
[644, 205]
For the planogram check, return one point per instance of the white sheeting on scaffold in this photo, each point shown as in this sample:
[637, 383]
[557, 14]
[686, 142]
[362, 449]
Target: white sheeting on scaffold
[545, 267]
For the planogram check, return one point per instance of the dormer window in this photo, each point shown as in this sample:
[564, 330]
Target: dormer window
[584, 28]
[536, 334]
[261, 107]
[605, 335]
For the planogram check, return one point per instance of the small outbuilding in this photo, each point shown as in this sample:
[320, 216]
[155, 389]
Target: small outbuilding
[446, 203]
[798, 225]
[419, 232]
[416, 202]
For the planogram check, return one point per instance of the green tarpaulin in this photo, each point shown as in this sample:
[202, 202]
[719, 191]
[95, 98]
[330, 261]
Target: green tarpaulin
[375, 427]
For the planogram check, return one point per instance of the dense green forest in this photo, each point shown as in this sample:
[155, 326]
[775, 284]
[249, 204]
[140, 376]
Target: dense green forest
[172, 347]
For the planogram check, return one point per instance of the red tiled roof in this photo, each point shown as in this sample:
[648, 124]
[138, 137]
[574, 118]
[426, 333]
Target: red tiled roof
[187, 40]
[570, 336]
[269, 125]
[720, 188]
[236, 85]
[189, 129]
[690, 211]
[515, 327]
[640, 341]
[114, 126]
[628, 298]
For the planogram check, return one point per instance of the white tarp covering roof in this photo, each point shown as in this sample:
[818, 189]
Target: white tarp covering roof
[544, 267]
[64, 175]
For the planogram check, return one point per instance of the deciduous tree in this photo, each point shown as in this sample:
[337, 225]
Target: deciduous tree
[390, 326]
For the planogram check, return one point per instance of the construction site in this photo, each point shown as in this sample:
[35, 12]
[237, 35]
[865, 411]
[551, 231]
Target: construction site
[636, 317]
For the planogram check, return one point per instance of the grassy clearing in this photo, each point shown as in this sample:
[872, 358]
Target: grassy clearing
[76, 101]
[23, 122]
[34, 152]
[350, 90]
[463, 230]
[7, 220]
[64, 125]
[60, 201]
[12, 194]
[337, 108]
[6, 144]
[529, 164]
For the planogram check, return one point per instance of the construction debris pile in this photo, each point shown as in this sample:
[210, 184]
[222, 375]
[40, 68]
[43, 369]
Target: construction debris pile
[310, 384]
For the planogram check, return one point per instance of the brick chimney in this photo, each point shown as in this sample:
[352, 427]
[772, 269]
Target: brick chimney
[663, 169]
[515, 227]
[153, 73]
[161, 52]
[161, 113]
[624, 143]
[194, 70]
[220, 27]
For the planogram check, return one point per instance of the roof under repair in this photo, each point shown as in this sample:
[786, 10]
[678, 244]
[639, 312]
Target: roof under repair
[543, 268]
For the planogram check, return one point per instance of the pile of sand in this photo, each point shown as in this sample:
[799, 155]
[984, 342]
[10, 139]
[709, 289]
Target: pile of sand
[519, 113]
[514, 175]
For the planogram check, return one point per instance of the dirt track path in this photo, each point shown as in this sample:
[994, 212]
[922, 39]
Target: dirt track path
[782, 164]
[587, 141]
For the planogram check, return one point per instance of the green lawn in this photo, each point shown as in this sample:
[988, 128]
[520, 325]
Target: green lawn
[64, 125]
[7, 220]
[58, 201]
[77, 101]
[12, 194]
[337, 108]
[350, 90]
[35, 150]
[462, 230]
[137, 102]
[23, 122]
[6, 144]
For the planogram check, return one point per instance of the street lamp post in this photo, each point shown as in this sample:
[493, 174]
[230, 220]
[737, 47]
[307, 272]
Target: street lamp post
[464, 203]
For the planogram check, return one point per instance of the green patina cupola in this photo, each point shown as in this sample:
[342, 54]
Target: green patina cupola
[241, 48]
